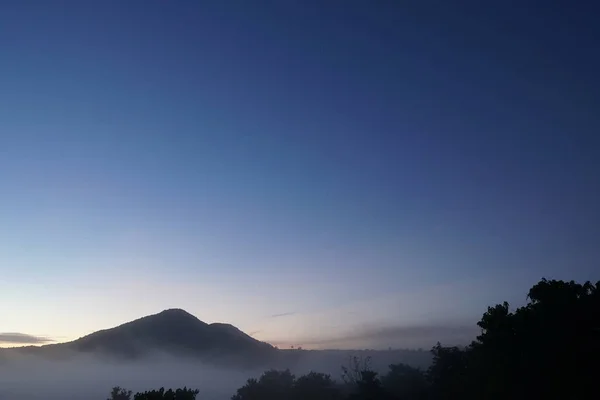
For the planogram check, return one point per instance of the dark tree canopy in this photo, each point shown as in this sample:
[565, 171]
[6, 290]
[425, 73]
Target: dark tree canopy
[547, 349]
[550, 347]
[162, 394]
[118, 393]
[405, 382]
[272, 384]
[316, 386]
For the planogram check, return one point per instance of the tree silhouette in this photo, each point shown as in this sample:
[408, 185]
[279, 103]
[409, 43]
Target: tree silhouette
[368, 387]
[362, 383]
[316, 386]
[161, 394]
[547, 349]
[405, 382]
[118, 393]
[352, 373]
[448, 373]
[272, 385]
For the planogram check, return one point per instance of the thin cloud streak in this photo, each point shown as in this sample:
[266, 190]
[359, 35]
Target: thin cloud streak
[396, 336]
[283, 314]
[23, 338]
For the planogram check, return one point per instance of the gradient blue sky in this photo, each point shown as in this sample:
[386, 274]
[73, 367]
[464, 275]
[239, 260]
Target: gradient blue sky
[317, 173]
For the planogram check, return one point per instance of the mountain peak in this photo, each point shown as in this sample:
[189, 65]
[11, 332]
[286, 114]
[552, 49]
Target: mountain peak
[175, 311]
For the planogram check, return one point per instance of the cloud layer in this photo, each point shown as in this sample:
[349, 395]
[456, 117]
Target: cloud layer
[22, 338]
[393, 336]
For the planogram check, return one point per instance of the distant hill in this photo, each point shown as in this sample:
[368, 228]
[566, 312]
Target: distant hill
[174, 332]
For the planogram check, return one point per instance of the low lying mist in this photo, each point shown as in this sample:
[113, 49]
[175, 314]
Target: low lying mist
[78, 377]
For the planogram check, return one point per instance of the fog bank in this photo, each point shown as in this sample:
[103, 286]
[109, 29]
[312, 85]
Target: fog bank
[30, 377]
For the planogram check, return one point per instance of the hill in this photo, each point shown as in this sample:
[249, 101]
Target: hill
[174, 332]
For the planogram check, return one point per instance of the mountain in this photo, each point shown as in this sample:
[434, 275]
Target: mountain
[172, 331]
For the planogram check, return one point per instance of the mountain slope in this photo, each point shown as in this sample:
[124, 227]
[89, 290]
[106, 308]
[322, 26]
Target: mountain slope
[174, 332]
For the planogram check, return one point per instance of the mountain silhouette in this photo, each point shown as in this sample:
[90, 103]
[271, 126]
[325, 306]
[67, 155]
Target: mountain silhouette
[172, 331]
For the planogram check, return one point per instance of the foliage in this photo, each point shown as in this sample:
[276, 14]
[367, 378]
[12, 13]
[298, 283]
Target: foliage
[368, 387]
[272, 384]
[161, 394]
[546, 349]
[405, 382]
[316, 386]
[447, 374]
[118, 393]
[353, 372]
[275, 384]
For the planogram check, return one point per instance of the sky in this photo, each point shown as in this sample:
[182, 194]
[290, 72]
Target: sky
[318, 174]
